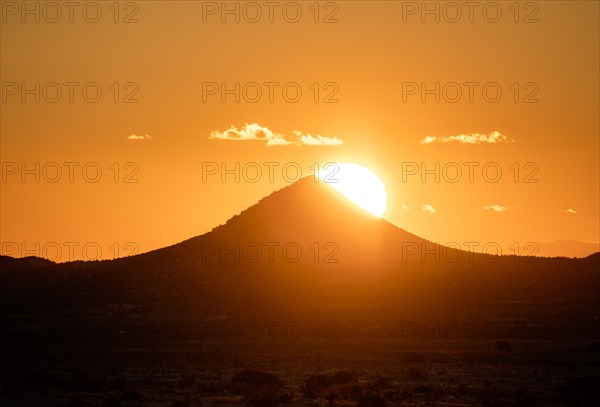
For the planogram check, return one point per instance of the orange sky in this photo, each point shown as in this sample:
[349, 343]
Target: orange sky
[372, 61]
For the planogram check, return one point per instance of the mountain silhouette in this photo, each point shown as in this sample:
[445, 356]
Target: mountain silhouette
[313, 222]
[301, 248]
[567, 248]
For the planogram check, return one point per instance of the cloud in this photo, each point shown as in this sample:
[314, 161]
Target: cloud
[254, 131]
[571, 210]
[429, 209]
[317, 140]
[469, 138]
[495, 208]
[406, 207]
[136, 137]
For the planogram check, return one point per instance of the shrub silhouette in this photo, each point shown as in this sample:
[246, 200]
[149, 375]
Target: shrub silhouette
[415, 373]
[369, 396]
[131, 395]
[315, 384]
[524, 398]
[382, 382]
[251, 377]
[342, 376]
[503, 346]
[266, 396]
[370, 401]
[414, 357]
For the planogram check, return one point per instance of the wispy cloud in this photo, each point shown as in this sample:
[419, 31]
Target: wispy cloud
[469, 138]
[254, 131]
[571, 211]
[429, 209]
[406, 207]
[317, 140]
[141, 137]
[495, 208]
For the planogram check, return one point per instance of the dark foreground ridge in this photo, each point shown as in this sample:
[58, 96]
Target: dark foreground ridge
[302, 299]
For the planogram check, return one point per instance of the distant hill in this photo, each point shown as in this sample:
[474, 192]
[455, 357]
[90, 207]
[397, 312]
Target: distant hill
[567, 248]
[8, 263]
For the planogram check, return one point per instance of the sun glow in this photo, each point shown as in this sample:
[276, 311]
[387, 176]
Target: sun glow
[357, 183]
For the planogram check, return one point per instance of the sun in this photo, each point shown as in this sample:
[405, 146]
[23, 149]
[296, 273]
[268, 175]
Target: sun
[357, 183]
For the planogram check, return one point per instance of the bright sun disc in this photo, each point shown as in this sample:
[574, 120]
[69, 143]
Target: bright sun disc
[357, 183]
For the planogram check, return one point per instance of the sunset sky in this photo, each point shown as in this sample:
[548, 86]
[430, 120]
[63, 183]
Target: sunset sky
[369, 74]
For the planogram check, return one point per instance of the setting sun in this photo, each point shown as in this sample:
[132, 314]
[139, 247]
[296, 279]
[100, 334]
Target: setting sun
[357, 183]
